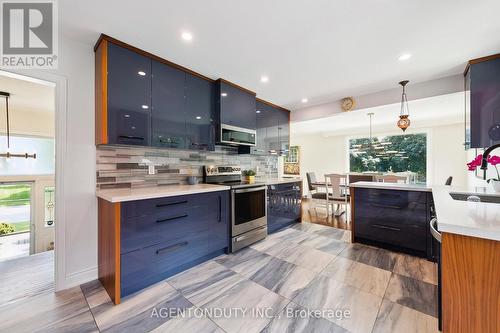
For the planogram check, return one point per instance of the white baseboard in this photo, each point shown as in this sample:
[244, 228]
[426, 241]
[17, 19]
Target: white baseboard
[78, 278]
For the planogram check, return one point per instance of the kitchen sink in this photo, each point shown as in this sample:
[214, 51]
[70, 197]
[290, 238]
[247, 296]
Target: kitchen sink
[475, 197]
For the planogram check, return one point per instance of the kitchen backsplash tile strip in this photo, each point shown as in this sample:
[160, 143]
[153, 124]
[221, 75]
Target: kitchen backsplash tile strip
[119, 167]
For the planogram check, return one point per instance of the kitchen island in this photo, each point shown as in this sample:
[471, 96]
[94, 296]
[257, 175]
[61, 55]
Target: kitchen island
[397, 216]
[470, 260]
[392, 216]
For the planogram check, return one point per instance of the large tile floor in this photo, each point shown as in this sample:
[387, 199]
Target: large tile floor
[307, 278]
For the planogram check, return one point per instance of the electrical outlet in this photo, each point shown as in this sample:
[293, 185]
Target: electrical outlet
[151, 169]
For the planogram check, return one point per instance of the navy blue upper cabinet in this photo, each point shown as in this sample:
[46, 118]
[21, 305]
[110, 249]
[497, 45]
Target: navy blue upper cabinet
[283, 131]
[273, 130]
[482, 93]
[183, 109]
[200, 113]
[235, 105]
[168, 112]
[128, 97]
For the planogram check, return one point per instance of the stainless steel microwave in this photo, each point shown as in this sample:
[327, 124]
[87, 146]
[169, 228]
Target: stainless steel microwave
[237, 136]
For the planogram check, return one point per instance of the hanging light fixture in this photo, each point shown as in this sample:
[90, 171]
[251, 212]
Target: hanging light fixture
[8, 154]
[404, 120]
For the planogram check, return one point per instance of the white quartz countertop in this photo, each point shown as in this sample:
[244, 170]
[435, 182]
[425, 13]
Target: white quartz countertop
[131, 194]
[392, 186]
[476, 219]
[279, 180]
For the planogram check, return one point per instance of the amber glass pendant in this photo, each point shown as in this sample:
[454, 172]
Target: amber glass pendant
[404, 122]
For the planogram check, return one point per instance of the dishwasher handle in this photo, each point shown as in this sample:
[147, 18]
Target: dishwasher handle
[434, 232]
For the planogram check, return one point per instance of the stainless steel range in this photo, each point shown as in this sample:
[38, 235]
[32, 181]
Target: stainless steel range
[248, 204]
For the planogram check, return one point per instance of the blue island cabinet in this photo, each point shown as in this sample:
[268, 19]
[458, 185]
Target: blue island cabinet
[154, 239]
[283, 205]
[393, 219]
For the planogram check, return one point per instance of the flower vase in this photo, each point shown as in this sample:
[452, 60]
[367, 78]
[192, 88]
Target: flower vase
[496, 185]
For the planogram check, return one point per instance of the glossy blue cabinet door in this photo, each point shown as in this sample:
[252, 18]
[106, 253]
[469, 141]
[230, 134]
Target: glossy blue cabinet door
[129, 97]
[283, 206]
[219, 227]
[168, 112]
[237, 107]
[395, 218]
[484, 103]
[161, 237]
[200, 113]
[283, 131]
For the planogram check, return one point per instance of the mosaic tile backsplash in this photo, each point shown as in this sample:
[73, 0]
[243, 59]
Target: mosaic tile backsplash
[128, 166]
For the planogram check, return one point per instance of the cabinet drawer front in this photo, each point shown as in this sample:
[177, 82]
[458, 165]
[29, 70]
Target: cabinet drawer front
[169, 204]
[152, 264]
[411, 237]
[394, 208]
[143, 231]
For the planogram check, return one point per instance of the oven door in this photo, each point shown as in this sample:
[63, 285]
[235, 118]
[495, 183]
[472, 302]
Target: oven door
[248, 209]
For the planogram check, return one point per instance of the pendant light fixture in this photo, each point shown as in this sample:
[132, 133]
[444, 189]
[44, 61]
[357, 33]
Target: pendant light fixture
[404, 120]
[8, 154]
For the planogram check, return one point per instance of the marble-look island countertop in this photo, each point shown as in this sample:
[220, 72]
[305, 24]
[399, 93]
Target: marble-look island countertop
[392, 186]
[131, 194]
[476, 219]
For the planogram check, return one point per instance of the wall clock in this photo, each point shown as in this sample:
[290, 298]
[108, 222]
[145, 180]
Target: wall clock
[348, 104]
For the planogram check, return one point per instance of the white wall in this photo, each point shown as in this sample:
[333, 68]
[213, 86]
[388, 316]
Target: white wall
[76, 64]
[438, 87]
[25, 122]
[446, 154]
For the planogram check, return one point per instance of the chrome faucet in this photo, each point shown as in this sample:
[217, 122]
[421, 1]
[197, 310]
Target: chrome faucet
[484, 161]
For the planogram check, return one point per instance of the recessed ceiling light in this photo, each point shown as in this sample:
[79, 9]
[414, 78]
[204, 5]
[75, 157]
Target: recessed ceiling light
[145, 107]
[187, 36]
[258, 111]
[198, 117]
[404, 57]
[141, 73]
[304, 100]
[127, 116]
[264, 79]
[223, 94]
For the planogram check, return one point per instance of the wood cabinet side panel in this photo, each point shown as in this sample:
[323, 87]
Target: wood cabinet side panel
[101, 93]
[109, 247]
[470, 284]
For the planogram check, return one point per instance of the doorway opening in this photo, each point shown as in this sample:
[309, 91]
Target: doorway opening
[27, 182]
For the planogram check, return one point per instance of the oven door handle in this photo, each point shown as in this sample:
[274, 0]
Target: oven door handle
[252, 189]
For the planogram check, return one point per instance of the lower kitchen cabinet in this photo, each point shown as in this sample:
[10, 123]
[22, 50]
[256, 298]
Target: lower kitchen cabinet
[145, 241]
[283, 205]
[393, 219]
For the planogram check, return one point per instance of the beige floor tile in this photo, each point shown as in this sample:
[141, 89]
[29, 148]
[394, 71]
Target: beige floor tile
[395, 318]
[365, 277]
[417, 268]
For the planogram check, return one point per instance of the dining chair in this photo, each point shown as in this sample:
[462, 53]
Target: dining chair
[361, 178]
[311, 178]
[392, 179]
[317, 198]
[336, 196]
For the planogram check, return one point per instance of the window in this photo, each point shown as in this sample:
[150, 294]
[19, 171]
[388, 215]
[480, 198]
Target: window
[42, 165]
[395, 153]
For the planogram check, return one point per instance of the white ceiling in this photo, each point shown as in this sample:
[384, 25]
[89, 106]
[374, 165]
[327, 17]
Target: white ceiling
[26, 96]
[322, 49]
[424, 113]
